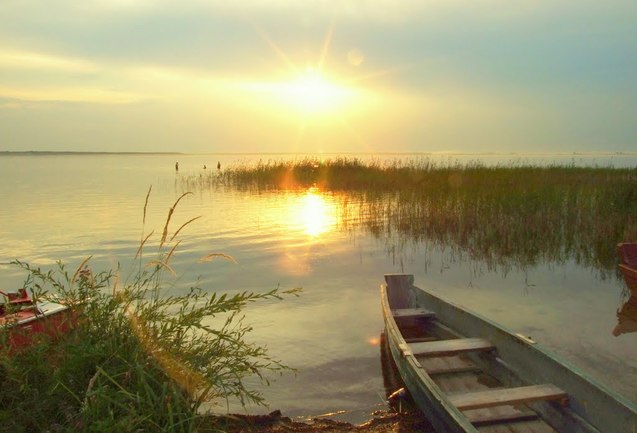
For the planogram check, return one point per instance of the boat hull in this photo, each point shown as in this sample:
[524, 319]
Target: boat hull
[519, 361]
[28, 325]
[428, 397]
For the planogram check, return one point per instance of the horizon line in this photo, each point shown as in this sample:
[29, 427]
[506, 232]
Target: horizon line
[431, 153]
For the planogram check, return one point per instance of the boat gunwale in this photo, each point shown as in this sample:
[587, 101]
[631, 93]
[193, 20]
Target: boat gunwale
[448, 417]
[40, 312]
[514, 350]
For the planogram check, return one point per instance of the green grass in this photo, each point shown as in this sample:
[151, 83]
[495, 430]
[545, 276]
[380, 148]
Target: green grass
[505, 216]
[139, 360]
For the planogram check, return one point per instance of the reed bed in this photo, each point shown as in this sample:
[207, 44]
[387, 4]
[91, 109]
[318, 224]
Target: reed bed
[505, 216]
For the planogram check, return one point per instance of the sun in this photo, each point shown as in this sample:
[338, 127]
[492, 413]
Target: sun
[308, 93]
[312, 92]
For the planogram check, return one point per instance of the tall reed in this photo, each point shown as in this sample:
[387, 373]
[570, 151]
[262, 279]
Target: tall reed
[505, 215]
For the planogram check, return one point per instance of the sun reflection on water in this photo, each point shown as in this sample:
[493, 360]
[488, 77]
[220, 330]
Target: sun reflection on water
[309, 219]
[315, 214]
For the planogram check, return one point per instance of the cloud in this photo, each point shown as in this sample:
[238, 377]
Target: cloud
[37, 77]
[69, 94]
[22, 59]
[442, 71]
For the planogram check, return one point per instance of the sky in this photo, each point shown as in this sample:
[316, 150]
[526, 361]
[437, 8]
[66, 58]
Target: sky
[312, 76]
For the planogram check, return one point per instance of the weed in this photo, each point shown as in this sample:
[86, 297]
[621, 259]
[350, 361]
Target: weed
[138, 359]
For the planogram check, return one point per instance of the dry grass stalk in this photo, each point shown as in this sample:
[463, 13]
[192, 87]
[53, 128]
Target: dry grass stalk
[163, 265]
[210, 257]
[146, 204]
[141, 245]
[170, 214]
[170, 254]
[182, 226]
[116, 282]
[187, 379]
[79, 268]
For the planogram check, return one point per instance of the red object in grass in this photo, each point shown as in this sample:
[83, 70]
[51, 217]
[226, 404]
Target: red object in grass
[26, 321]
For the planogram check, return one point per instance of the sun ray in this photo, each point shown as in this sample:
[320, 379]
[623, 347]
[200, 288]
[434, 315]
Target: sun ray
[320, 101]
[276, 49]
[327, 42]
[375, 74]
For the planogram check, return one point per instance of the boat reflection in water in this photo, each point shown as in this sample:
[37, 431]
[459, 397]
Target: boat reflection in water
[391, 378]
[628, 265]
[396, 394]
[627, 314]
[627, 317]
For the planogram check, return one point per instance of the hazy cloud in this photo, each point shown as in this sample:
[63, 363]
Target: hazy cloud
[435, 74]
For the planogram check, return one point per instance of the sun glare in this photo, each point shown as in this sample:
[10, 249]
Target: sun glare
[311, 92]
[314, 214]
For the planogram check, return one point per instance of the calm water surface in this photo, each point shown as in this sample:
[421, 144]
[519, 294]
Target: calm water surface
[68, 207]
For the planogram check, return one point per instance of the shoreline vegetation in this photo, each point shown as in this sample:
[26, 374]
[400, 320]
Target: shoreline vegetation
[137, 359]
[505, 216]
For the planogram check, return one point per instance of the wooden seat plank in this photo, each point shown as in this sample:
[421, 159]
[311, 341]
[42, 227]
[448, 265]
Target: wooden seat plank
[508, 396]
[420, 339]
[451, 347]
[446, 365]
[453, 369]
[481, 417]
[404, 313]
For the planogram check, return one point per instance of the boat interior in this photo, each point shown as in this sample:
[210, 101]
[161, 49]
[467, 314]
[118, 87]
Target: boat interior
[474, 379]
[17, 307]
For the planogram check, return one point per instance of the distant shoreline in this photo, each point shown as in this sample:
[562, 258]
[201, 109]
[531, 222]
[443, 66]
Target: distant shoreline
[55, 152]
[432, 154]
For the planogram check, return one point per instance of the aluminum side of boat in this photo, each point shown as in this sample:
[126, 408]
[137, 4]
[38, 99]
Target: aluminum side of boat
[588, 400]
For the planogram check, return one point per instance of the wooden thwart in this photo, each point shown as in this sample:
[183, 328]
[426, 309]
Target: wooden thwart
[508, 396]
[452, 369]
[505, 415]
[413, 313]
[451, 347]
[420, 339]
[435, 365]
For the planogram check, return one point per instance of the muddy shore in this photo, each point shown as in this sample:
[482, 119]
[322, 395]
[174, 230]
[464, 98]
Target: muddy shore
[382, 422]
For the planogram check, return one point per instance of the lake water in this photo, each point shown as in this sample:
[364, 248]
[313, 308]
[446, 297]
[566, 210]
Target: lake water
[69, 207]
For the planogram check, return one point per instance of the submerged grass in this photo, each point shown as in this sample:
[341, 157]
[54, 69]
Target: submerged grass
[504, 215]
[138, 360]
